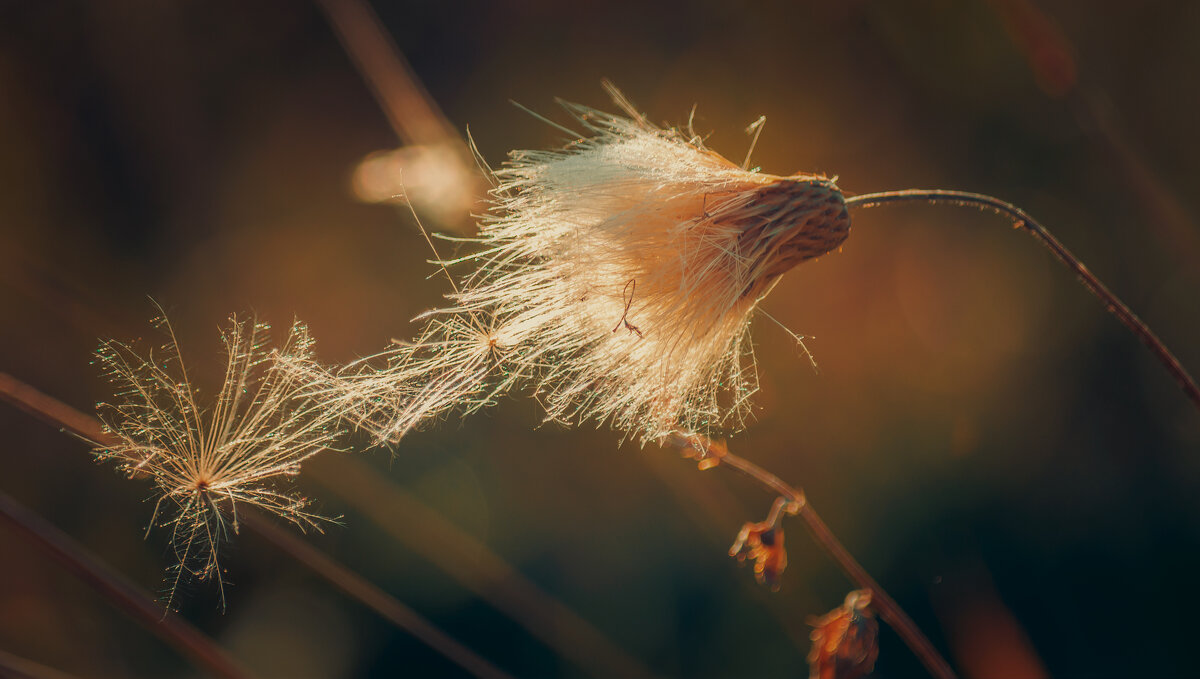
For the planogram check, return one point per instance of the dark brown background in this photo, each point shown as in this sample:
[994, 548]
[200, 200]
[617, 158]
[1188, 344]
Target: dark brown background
[997, 451]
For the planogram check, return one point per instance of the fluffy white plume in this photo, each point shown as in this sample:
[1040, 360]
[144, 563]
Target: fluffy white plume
[615, 278]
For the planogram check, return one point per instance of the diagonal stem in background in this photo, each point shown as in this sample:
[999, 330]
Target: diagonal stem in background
[174, 629]
[22, 668]
[432, 147]
[476, 567]
[1022, 220]
[167, 626]
[357, 587]
[413, 115]
[563, 630]
[1059, 69]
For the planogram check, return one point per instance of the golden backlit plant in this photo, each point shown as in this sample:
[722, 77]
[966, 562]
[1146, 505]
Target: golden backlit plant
[615, 279]
[240, 448]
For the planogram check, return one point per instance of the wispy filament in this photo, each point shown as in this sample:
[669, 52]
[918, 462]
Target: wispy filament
[205, 462]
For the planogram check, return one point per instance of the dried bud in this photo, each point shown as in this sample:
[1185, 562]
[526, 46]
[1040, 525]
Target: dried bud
[845, 641]
[762, 542]
[788, 222]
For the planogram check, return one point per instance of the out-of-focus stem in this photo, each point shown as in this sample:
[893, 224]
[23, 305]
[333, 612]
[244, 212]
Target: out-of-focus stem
[441, 161]
[138, 605]
[60, 414]
[1061, 74]
[51, 410]
[1022, 220]
[477, 568]
[357, 587]
[408, 107]
[22, 668]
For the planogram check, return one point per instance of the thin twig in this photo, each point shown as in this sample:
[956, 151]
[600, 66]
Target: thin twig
[413, 114]
[138, 605]
[712, 454]
[1022, 220]
[70, 420]
[357, 587]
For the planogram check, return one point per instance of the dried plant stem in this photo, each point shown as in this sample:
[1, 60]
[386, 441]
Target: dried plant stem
[138, 605]
[1022, 220]
[59, 414]
[887, 607]
[356, 587]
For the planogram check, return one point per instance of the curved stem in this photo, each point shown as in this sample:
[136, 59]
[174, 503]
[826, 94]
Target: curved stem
[713, 453]
[1022, 220]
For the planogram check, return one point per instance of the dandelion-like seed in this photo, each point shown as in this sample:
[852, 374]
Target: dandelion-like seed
[206, 461]
[616, 277]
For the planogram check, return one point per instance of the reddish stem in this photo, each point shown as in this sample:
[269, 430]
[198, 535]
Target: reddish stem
[717, 454]
[87, 568]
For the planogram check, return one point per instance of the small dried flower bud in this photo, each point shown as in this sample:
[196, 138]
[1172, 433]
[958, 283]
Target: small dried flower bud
[845, 641]
[762, 542]
[788, 222]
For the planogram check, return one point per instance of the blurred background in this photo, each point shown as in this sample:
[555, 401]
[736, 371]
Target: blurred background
[998, 451]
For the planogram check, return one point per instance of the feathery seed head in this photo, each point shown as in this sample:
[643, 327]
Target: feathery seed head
[634, 258]
[205, 461]
[616, 277]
